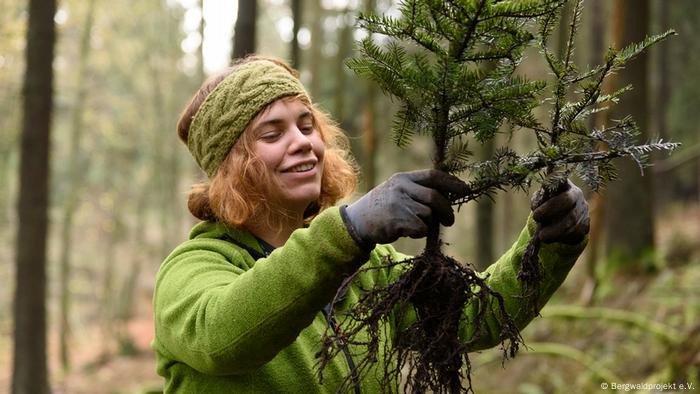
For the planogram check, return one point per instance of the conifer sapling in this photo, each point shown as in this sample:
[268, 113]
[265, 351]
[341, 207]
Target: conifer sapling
[451, 65]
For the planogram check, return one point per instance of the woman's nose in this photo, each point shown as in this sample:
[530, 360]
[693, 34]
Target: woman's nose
[300, 141]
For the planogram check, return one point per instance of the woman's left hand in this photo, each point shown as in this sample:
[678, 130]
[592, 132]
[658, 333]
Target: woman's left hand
[563, 217]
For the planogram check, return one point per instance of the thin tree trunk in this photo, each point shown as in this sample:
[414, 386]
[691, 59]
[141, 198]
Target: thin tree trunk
[369, 118]
[344, 42]
[596, 201]
[244, 30]
[200, 53]
[664, 93]
[29, 373]
[485, 219]
[171, 107]
[630, 221]
[109, 297]
[127, 295]
[485, 209]
[664, 185]
[316, 45]
[76, 166]
[297, 18]
[160, 163]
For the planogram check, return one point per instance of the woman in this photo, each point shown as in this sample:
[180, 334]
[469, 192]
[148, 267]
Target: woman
[238, 307]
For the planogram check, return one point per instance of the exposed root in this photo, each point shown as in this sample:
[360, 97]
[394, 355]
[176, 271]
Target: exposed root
[530, 273]
[430, 351]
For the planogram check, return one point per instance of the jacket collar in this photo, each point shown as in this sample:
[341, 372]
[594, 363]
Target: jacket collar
[238, 236]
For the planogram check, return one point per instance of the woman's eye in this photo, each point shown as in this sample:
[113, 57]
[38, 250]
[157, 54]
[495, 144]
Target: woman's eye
[270, 135]
[307, 129]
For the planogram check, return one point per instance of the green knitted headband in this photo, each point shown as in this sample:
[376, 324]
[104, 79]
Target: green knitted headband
[228, 109]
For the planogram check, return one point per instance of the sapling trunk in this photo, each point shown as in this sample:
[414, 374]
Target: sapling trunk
[432, 240]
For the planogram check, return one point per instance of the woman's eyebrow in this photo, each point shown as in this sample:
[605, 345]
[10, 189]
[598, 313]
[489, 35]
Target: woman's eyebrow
[305, 115]
[269, 122]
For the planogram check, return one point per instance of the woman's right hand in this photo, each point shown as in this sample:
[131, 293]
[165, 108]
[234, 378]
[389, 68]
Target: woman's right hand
[404, 206]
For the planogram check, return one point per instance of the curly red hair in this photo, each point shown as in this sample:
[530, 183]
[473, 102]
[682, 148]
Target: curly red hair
[238, 190]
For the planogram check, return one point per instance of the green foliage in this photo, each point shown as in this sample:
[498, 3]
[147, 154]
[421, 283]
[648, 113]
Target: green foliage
[452, 68]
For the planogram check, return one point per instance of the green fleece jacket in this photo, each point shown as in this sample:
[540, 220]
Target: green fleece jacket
[228, 323]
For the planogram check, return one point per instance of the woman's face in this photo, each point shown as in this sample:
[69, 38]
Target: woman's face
[287, 142]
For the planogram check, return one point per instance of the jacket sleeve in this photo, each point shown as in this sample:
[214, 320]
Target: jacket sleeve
[220, 319]
[556, 261]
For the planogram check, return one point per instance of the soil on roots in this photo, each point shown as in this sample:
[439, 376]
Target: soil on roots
[429, 354]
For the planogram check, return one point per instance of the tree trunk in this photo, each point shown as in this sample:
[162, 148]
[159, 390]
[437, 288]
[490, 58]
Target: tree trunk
[127, 294]
[485, 219]
[369, 120]
[244, 30]
[294, 49]
[76, 167]
[316, 54]
[663, 184]
[170, 213]
[596, 201]
[344, 41]
[201, 74]
[107, 293]
[29, 374]
[630, 224]
[663, 72]
[485, 209]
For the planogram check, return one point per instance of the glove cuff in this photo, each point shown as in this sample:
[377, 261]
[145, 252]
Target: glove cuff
[363, 243]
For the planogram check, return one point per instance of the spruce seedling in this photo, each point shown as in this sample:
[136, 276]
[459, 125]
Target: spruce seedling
[451, 66]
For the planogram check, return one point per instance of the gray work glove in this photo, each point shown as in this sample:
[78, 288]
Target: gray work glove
[403, 206]
[563, 217]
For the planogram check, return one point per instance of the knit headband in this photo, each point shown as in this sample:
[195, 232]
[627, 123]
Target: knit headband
[228, 109]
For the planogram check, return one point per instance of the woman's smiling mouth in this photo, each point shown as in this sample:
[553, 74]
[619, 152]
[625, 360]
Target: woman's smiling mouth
[301, 168]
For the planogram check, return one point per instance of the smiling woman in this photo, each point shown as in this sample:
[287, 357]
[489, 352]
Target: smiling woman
[292, 150]
[243, 305]
[250, 187]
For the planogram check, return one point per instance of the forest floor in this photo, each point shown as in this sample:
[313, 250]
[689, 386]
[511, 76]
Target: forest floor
[132, 373]
[671, 297]
[589, 355]
[92, 373]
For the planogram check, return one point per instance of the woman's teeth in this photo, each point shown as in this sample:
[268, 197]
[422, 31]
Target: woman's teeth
[301, 168]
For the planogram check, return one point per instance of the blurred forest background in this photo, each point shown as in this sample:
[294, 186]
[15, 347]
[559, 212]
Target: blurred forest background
[628, 313]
